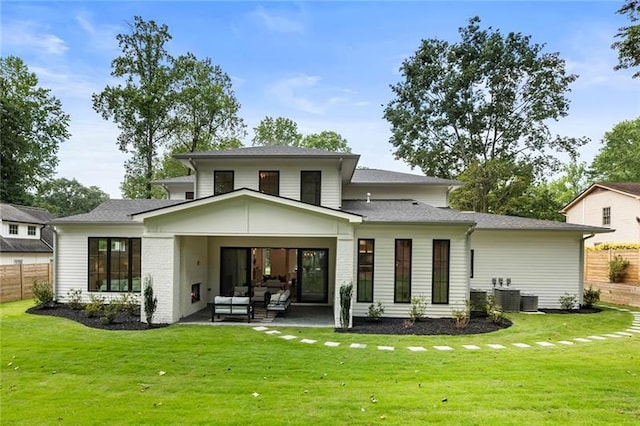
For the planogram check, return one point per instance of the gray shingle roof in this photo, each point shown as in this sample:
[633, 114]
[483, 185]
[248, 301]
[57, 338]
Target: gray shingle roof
[24, 214]
[268, 151]
[179, 179]
[27, 215]
[632, 188]
[404, 211]
[496, 221]
[24, 245]
[116, 211]
[376, 176]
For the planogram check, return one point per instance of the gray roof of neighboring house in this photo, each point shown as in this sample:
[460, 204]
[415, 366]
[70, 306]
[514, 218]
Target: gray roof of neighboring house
[116, 211]
[404, 211]
[631, 188]
[268, 151]
[26, 215]
[179, 179]
[377, 176]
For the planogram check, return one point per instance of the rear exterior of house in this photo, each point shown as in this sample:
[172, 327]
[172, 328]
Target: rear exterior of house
[309, 221]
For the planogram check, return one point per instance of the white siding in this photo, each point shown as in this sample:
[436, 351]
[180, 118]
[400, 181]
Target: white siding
[246, 176]
[161, 261]
[72, 256]
[23, 230]
[546, 264]
[422, 237]
[624, 211]
[25, 258]
[193, 270]
[436, 196]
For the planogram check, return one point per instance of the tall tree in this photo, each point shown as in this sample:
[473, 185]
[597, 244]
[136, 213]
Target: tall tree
[141, 107]
[327, 140]
[32, 126]
[619, 158]
[628, 43]
[64, 197]
[281, 131]
[483, 101]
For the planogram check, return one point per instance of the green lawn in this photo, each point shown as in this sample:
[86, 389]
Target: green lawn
[55, 371]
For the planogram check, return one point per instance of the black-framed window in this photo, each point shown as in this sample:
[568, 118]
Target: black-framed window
[440, 272]
[189, 195]
[472, 261]
[365, 270]
[269, 182]
[31, 230]
[115, 264]
[222, 181]
[402, 279]
[606, 215]
[13, 229]
[310, 183]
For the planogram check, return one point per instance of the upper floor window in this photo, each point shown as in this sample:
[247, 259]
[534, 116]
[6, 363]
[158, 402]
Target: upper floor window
[310, 187]
[188, 195]
[31, 230]
[13, 229]
[402, 290]
[222, 181]
[606, 215]
[269, 182]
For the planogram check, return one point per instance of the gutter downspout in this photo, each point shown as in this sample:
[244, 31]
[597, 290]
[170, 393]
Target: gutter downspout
[54, 284]
[468, 244]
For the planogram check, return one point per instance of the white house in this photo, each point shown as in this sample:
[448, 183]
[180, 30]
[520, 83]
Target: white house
[614, 205]
[311, 220]
[24, 236]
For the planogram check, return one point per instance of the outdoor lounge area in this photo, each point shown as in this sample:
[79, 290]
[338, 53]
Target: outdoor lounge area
[296, 316]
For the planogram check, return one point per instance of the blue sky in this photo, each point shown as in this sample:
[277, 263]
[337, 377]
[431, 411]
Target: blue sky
[326, 65]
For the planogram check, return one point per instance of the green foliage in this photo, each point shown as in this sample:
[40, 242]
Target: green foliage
[95, 306]
[327, 140]
[628, 43]
[619, 158]
[493, 310]
[281, 131]
[33, 126]
[568, 301]
[376, 311]
[346, 292]
[150, 301]
[74, 299]
[618, 269]
[129, 303]
[42, 292]
[615, 246]
[461, 317]
[418, 308]
[110, 312]
[64, 197]
[590, 296]
[481, 103]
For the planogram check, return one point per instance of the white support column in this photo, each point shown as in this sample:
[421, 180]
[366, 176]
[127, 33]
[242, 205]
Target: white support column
[158, 261]
[345, 273]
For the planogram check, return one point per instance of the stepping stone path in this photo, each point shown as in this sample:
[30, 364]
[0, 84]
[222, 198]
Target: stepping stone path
[630, 332]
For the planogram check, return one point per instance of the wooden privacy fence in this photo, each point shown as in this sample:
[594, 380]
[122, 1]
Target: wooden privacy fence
[16, 280]
[596, 274]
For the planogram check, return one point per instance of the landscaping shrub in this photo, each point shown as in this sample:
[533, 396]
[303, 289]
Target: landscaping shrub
[376, 310]
[129, 303]
[42, 292]
[95, 306]
[618, 269]
[110, 312]
[346, 291]
[568, 301]
[590, 296]
[418, 308]
[74, 299]
[461, 316]
[493, 310]
[150, 301]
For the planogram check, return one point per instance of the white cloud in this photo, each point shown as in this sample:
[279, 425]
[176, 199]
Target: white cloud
[288, 90]
[277, 22]
[31, 37]
[85, 24]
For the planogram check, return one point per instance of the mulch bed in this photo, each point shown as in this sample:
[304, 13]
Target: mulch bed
[123, 321]
[428, 326]
[571, 311]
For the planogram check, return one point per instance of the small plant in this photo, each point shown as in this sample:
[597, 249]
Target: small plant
[461, 317]
[493, 310]
[95, 306]
[618, 269]
[568, 301]
[110, 312]
[129, 303]
[590, 296]
[418, 308]
[376, 310]
[74, 299]
[346, 291]
[42, 293]
[150, 301]
[407, 323]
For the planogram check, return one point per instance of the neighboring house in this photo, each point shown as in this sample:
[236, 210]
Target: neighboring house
[24, 236]
[311, 221]
[610, 205]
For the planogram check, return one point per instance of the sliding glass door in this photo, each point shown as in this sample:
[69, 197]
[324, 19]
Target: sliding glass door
[235, 269]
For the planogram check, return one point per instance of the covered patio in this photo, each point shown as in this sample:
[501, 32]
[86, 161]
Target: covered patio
[296, 316]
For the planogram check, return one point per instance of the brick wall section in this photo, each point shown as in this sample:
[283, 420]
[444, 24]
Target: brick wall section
[158, 262]
[344, 273]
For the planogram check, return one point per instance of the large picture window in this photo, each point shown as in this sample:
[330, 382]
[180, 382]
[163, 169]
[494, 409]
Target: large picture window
[310, 183]
[269, 182]
[222, 181]
[402, 288]
[440, 271]
[365, 271]
[115, 264]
